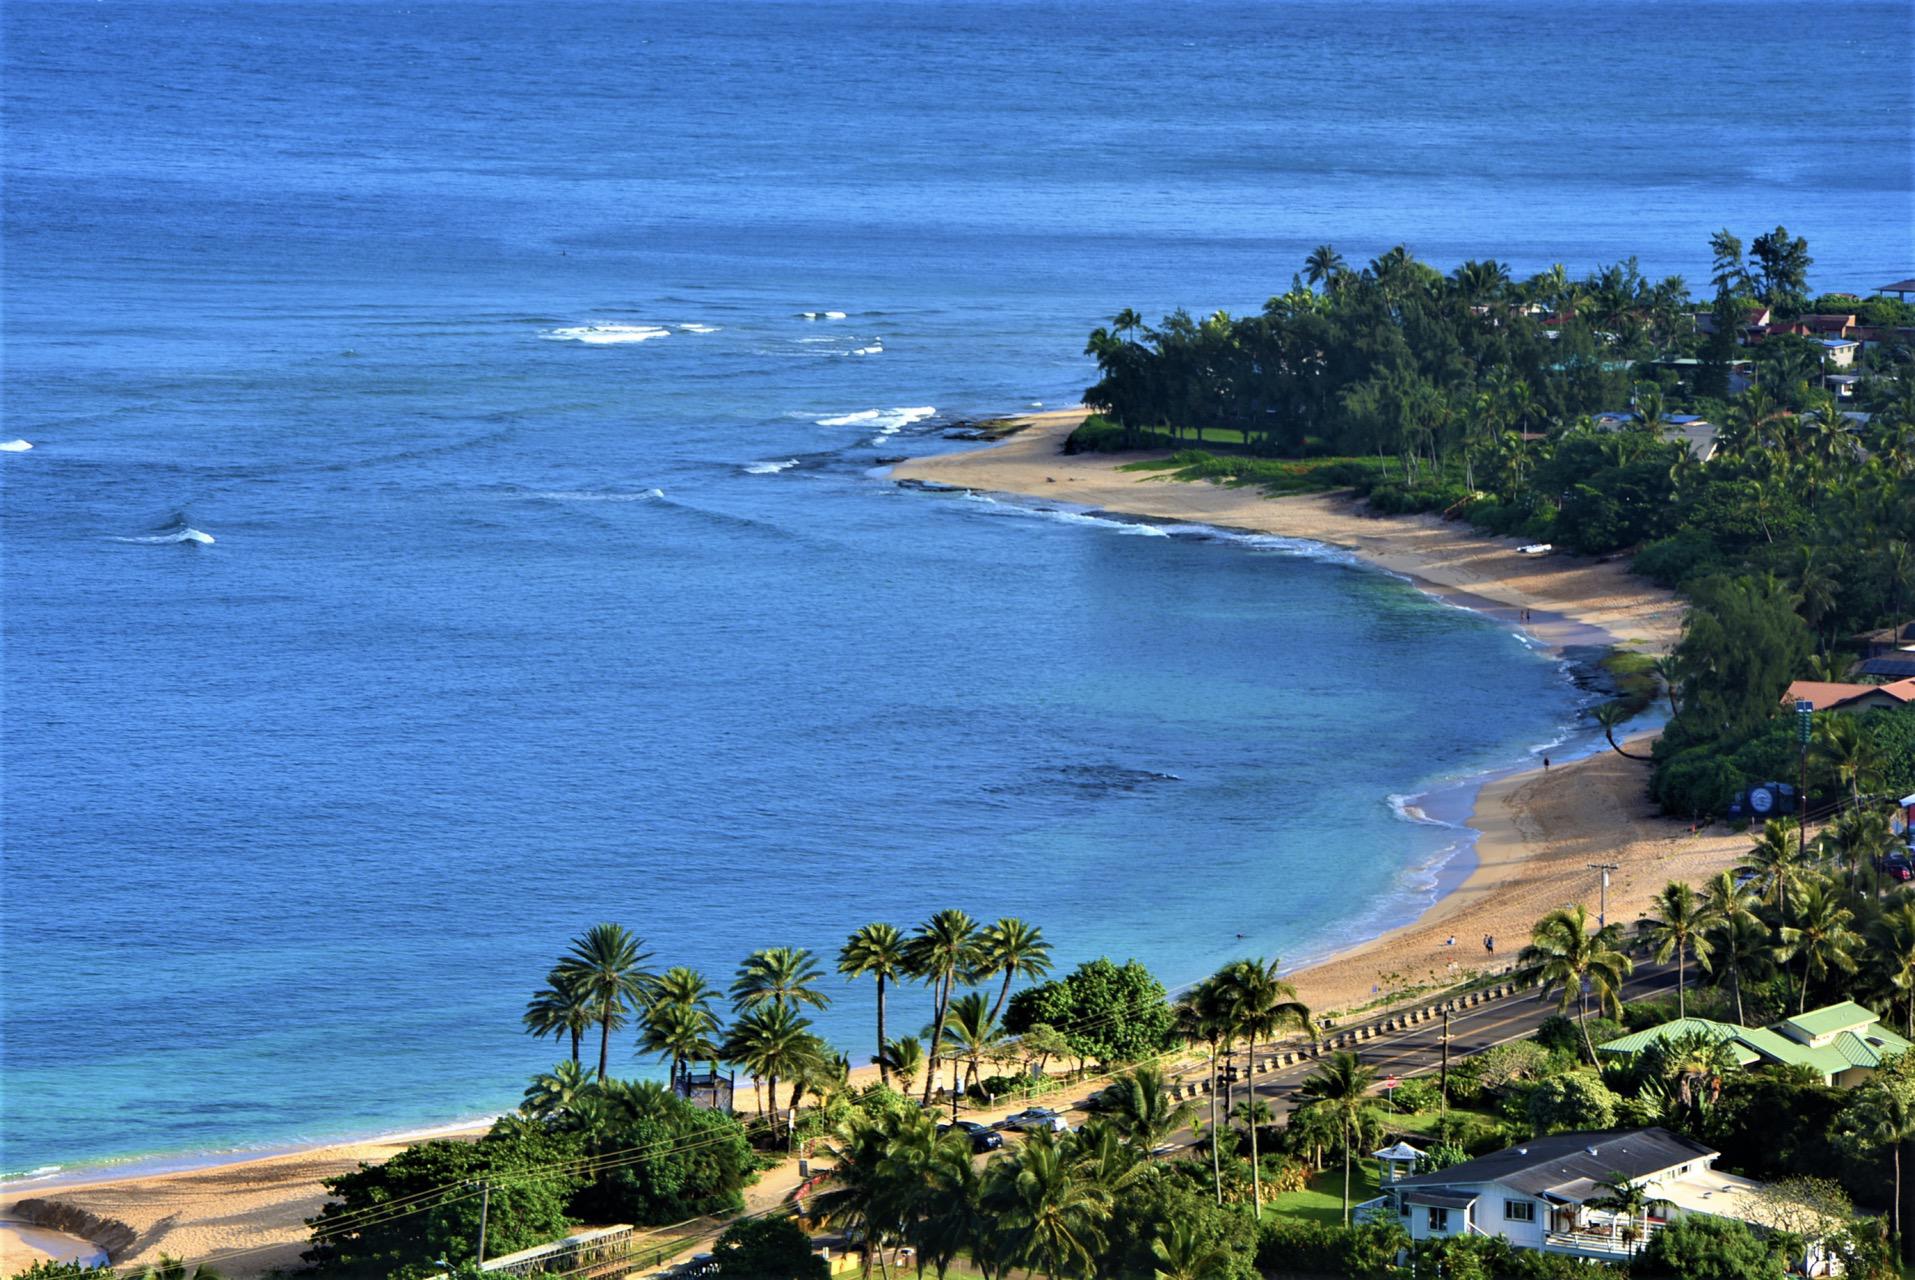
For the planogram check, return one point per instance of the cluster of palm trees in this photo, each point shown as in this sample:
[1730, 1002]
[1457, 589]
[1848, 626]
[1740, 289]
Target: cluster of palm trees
[1044, 1205]
[605, 981]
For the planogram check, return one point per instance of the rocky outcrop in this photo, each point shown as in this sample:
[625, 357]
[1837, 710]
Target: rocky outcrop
[110, 1234]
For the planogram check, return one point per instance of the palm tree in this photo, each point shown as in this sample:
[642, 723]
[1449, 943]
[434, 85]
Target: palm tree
[878, 950]
[1739, 944]
[1670, 670]
[860, 1198]
[681, 1033]
[1609, 715]
[1182, 1255]
[1842, 747]
[783, 976]
[975, 1033]
[1563, 952]
[560, 1007]
[1777, 861]
[1261, 1004]
[1886, 1112]
[771, 1042]
[1201, 1015]
[1145, 1113]
[1820, 936]
[1015, 949]
[904, 1058]
[1628, 1199]
[556, 1091]
[1342, 1087]
[1893, 939]
[1049, 1216]
[943, 948]
[607, 964]
[1324, 266]
[1679, 926]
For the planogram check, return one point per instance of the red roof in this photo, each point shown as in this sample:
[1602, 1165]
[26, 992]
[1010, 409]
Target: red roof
[1826, 695]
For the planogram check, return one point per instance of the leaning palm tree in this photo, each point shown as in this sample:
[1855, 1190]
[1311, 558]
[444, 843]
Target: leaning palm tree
[1342, 1087]
[1820, 936]
[607, 963]
[975, 1033]
[942, 949]
[1014, 948]
[1609, 715]
[1144, 1112]
[1564, 953]
[1261, 1005]
[1050, 1217]
[1202, 1015]
[783, 976]
[1778, 861]
[1182, 1254]
[1679, 926]
[1741, 950]
[876, 950]
[1893, 954]
[560, 1008]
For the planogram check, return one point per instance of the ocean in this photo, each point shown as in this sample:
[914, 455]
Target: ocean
[456, 515]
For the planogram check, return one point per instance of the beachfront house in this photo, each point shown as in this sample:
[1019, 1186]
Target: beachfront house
[1843, 1043]
[1890, 652]
[1544, 1193]
[1828, 695]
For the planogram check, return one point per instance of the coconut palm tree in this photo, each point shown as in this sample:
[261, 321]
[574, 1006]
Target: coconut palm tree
[1342, 1087]
[771, 1042]
[1014, 948]
[1778, 861]
[556, 1091]
[1324, 266]
[1884, 1113]
[904, 1058]
[1847, 752]
[1202, 1016]
[607, 964]
[1182, 1254]
[942, 949]
[560, 1007]
[1261, 1004]
[1629, 1201]
[1893, 949]
[1820, 935]
[1609, 715]
[876, 950]
[1670, 671]
[1050, 1217]
[975, 1033]
[1144, 1112]
[783, 976]
[678, 1022]
[860, 1197]
[1679, 926]
[1742, 950]
[1565, 953]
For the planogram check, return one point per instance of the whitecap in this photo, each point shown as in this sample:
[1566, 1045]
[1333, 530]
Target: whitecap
[822, 315]
[186, 535]
[15, 446]
[698, 328]
[603, 335]
[867, 351]
[770, 468]
[599, 495]
[887, 421]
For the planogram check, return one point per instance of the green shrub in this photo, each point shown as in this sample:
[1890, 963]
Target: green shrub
[767, 1249]
[1573, 1101]
[1418, 1093]
[1704, 1248]
[1672, 561]
[1097, 434]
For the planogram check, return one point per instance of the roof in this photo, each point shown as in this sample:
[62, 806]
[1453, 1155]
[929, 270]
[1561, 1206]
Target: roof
[1900, 286]
[1558, 1162]
[1902, 665]
[1816, 1023]
[1637, 1041]
[1401, 1151]
[1826, 695]
[1838, 342]
[1441, 1199]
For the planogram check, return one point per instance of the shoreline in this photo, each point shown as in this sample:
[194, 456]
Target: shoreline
[1528, 835]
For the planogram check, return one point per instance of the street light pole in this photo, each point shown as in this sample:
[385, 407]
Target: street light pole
[1804, 729]
[1444, 1094]
[1602, 911]
[954, 1090]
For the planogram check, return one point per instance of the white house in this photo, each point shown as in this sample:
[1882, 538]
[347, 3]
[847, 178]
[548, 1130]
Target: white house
[1537, 1195]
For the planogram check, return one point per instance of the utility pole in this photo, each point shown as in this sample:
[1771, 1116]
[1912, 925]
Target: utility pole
[1602, 911]
[485, 1205]
[1804, 729]
[1444, 1090]
[954, 1090]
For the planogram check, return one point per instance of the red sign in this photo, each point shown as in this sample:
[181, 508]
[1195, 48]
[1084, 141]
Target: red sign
[1390, 1082]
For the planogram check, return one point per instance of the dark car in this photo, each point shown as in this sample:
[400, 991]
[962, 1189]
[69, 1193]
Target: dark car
[1898, 866]
[981, 1136]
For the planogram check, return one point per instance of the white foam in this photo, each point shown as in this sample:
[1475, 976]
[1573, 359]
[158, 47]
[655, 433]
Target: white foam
[15, 446]
[698, 328]
[599, 495]
[770, 468]
[182, 535]
[873, 350]
[605, 335]
[887, 421]
[822, 315]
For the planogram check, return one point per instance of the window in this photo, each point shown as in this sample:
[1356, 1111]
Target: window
[1439, 1219]
[1519, 1211]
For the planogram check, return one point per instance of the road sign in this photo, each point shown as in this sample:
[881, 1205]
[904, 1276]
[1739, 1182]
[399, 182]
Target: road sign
[1390, 1082]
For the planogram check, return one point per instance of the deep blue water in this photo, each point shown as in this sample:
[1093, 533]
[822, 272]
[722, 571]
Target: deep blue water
[503, 633]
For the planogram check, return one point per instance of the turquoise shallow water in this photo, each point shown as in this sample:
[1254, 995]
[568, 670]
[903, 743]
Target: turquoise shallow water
[551, 578]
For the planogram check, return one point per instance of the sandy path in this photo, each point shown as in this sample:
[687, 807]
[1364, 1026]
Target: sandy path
[1539, 831]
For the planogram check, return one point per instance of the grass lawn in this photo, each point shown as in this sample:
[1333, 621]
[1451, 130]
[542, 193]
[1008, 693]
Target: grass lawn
[1322, 1200]
[1422, 1122]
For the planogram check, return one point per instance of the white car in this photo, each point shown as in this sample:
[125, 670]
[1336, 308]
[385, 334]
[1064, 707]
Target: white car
[1036, 1118]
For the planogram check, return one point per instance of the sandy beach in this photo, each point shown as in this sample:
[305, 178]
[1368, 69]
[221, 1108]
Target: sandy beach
[1538, 830]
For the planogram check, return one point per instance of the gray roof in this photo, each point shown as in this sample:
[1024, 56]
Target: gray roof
[1567, 1163]
[1440, 1199]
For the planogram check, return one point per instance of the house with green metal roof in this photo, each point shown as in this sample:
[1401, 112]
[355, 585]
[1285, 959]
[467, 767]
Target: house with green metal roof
[1844, 1043]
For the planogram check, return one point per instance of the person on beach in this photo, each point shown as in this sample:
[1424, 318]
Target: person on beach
[1545, 764]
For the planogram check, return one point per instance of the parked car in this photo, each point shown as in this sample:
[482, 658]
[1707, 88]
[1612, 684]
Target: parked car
[1036, 1118]
[1898, 866]
[981, 1136]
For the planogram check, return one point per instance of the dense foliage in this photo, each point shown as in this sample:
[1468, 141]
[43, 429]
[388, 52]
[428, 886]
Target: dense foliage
[767, 1249]
[1106, 1012]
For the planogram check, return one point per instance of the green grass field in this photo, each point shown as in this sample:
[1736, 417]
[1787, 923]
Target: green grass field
[1322, 1200]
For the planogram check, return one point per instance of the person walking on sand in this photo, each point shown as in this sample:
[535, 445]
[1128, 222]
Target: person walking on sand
[1545, 764]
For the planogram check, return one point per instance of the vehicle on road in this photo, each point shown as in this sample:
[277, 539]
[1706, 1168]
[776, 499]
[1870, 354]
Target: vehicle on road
[1036, 1118]
[982, 1137]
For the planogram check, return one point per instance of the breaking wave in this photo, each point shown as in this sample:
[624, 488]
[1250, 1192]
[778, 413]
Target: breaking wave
[821, 315]
[184, 535]
[15, 446]
[605, 335]
[770, 468]
[599, 495]
[887, 421]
